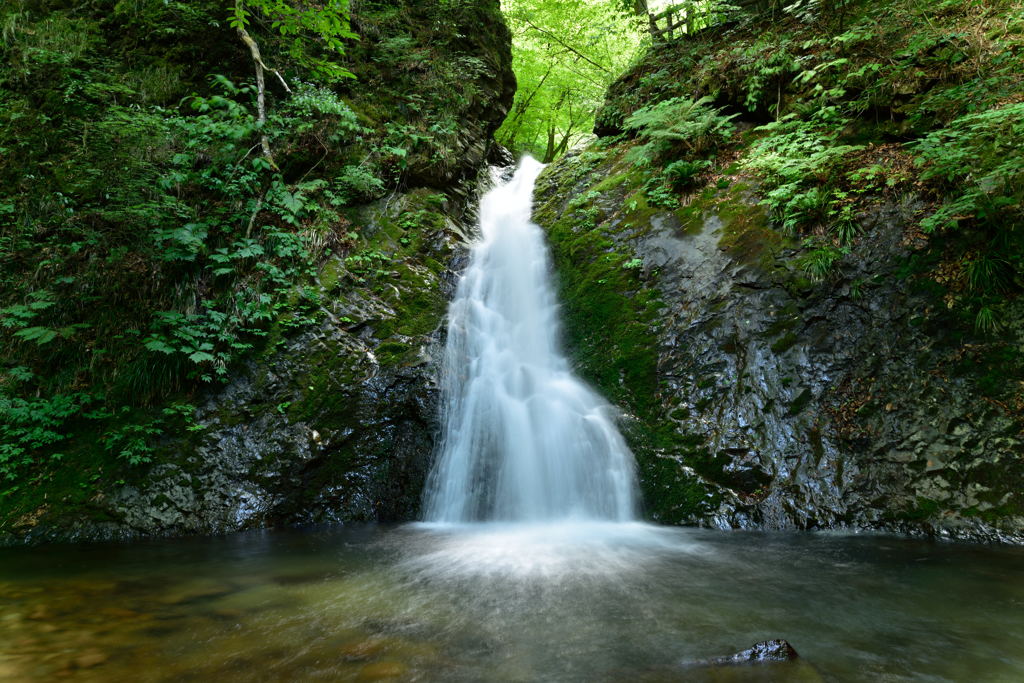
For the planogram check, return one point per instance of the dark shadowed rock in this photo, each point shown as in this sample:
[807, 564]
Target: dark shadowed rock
[332, 421]
[779, 402]
[767, 651]
[769, 661]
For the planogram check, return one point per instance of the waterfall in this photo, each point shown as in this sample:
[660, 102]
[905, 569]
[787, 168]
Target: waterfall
[524, 440]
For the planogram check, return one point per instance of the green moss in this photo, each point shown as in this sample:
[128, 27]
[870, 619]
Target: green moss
[419, 310]
[670, 496]
[746, 235]
[785, 343]
[611, 320]
[923, 509]
[331, 273]
[680, 413]
[394, 353]
[323, 390]
[797, 405]
[637, 212]
[785, 321]
[994, 514]
[612, 182]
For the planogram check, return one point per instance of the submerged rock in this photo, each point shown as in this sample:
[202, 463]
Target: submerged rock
[381, 671]
[362, 649]
[90, 659]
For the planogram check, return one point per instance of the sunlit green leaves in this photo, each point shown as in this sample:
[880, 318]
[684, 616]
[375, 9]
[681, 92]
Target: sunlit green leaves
[565, 56]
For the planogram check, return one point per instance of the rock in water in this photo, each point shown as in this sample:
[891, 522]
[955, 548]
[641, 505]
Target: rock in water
[770, 660]
[767, 651]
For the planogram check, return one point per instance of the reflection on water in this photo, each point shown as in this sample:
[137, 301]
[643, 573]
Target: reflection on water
[589, 602]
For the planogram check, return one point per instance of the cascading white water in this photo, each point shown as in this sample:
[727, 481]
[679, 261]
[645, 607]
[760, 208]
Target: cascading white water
[523, 439]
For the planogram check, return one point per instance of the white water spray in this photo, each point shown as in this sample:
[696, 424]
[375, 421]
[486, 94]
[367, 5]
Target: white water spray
[523, 439]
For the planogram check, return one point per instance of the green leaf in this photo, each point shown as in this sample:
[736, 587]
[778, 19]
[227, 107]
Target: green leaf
[159, 345]
[40, 335]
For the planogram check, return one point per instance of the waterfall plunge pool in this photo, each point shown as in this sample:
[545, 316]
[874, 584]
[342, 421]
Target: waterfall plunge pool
[490, 602]
[539, 600]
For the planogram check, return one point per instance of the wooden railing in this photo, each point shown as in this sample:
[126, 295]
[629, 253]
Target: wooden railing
[665, 24]
[685, 18]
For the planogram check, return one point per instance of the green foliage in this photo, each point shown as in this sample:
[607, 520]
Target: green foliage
[357, 183]
[820, 260]
[683, 172]
[986, 321]
[328, 23]
[565, 55]
[691, 126]
[671, 128]
[980, 159]
[367, 263]
[309, 102]
[845, 121]
[20, 316]
[977, 162]
[32, 423]
[147, 246]
[801, 161]
[768, 63]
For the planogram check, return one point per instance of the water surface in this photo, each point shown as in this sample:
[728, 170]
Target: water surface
[562, 602]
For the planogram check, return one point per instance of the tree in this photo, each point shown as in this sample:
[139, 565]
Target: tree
[566, 54]
[327, 23]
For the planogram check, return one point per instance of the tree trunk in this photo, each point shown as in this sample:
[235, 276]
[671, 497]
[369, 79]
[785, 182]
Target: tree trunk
[261, 85]
[549, 153]
[641, 10]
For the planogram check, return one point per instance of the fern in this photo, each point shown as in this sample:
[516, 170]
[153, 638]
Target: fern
[678, 122]
[981, 157]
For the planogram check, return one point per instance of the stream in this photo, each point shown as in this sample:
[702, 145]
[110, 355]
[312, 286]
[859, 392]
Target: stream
[568, 602]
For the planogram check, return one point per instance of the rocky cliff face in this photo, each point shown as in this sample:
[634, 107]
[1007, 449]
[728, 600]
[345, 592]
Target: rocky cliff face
[334, 424]
[758, 392]
[332, 421]
[779, 403]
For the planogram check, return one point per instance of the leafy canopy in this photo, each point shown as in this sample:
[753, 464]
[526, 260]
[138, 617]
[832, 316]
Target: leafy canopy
[565, 55]
[327, 21]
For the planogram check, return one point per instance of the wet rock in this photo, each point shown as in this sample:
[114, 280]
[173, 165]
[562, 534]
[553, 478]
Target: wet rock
[297, 578]
[767, 651]
[783, 403]
[120, 613]
[228, 614]
[743, 470]
[771, 660]
[195, 591]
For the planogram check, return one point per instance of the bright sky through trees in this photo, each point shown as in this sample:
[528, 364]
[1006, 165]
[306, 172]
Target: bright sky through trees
[566, 54]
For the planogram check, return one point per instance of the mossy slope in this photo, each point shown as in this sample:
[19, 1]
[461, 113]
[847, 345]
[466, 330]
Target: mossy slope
[810, 322]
